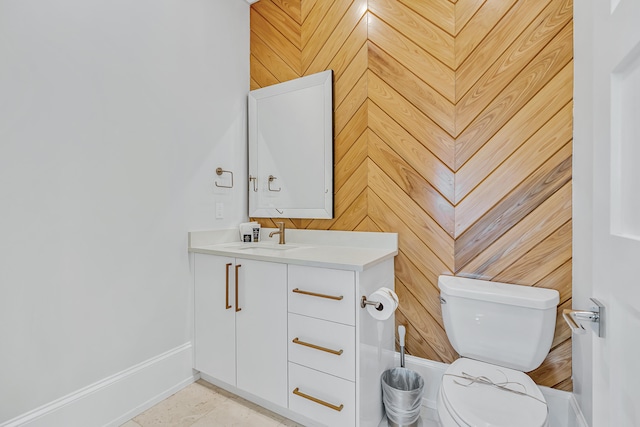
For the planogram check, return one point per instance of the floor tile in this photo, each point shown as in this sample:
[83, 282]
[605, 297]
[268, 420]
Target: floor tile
[183, 408]
[233, 413]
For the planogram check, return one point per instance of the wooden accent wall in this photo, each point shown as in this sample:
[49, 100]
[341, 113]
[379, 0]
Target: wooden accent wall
[453, 128]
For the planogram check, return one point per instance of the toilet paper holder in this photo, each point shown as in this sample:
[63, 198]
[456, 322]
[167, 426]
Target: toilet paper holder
[376, 304]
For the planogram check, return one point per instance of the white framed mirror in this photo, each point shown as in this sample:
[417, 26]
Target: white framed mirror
[291, 149]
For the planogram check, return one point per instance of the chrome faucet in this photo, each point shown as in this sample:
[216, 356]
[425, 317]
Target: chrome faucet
[280, 232]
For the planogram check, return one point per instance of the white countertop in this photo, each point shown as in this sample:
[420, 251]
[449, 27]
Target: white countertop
[344, 250]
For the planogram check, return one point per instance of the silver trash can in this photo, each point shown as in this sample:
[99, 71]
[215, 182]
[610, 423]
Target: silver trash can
[402, 391]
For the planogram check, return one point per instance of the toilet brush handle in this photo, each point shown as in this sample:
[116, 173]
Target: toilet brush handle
[402, 331]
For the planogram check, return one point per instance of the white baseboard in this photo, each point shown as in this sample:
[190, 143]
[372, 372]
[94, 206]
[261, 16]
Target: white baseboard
[118, 398]
[576, 413]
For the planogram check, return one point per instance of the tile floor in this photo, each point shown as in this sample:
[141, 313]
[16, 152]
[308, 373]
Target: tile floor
[204, 405]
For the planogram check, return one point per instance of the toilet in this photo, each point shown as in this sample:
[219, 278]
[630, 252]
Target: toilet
[500, 331]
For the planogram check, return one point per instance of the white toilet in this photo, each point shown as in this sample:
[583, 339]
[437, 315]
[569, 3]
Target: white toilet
[500, 331]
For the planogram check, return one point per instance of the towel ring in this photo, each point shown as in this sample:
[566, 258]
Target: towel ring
[220, 171]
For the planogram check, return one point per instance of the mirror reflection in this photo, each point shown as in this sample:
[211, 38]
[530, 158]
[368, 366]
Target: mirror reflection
[291, 149]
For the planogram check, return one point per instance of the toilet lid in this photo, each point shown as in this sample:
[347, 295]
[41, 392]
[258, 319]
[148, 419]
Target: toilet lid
[482, 404]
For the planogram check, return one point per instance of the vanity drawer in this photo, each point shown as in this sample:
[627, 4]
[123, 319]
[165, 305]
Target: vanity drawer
[323, 345]
[322, 293]
[327, 399]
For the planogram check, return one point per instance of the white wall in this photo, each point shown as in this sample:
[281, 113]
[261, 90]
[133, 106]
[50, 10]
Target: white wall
[114, 115]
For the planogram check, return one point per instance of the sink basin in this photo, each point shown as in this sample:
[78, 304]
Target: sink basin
[267, 247]
[260, 247]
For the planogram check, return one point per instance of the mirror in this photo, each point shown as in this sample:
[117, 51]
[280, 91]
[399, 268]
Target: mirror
[291, 149]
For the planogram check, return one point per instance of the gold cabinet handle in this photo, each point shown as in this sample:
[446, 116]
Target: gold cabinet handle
[317, 347]
[227, 306]
[237, 306]
[313, 294]
[316, 400]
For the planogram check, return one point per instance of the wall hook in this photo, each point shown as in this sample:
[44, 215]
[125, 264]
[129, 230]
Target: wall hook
[271, 179]
[220, 171]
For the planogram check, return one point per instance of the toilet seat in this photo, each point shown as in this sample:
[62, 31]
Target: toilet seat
[485, 405]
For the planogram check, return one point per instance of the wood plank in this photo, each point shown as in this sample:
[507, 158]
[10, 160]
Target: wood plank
[290, 7]
[414, 343]
[544, 105]
[548, 255]
[356, 155]
[419, 253]
[464, 11]
[280, 19]
[473, 32]
[353, 215]
[556, 367]
[422, 32]
[412, 151]
[344, 197]
[306, 6]
[338, 36]
[412, 88]
[253, 85]
[260, 74]
[357, 68]
[350, 105]
[314, 19]
[276, 41]
[367, 225]
[426, 292]
[355, 127]
[494, 46]
[527, 46]
[348, 50]
[565, 385]
[441, 13]
[419, 191]
[424, 324]
[422, 225]
[270, 61]
[355, 185]
[421, 127]
[520, 202]
[559, 279]
[531, 155]
[553, 58]
[487, 259]
[413, 57]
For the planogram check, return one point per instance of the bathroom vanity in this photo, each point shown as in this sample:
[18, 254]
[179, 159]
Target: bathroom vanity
[282, 325]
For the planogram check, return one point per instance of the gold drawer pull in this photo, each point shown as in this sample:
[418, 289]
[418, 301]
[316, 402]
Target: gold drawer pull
[313, 294]
[314, 399]
[317, 347]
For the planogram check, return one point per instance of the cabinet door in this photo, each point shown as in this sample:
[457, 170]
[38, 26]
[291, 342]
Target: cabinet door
[215, 344]
[261, 326]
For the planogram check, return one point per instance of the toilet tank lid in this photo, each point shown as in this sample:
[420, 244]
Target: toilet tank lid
[504, 293]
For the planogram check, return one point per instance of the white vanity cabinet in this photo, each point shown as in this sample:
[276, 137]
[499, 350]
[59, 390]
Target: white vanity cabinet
[241, 324]
[301, 344]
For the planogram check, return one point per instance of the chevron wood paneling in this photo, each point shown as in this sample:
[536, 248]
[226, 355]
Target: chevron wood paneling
[453, 128]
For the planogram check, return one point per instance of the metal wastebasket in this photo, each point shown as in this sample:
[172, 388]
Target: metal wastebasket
[402, 391]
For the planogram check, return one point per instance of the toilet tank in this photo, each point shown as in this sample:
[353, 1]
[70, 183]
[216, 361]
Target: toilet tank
[499, 323]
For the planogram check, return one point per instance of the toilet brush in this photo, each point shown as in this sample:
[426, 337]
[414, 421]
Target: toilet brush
[402, 331]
